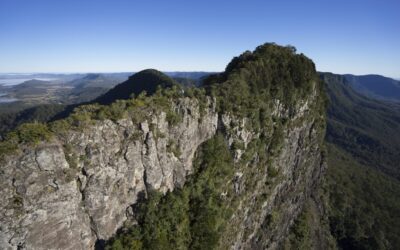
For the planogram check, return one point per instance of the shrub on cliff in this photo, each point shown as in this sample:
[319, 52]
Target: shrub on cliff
[28, 133]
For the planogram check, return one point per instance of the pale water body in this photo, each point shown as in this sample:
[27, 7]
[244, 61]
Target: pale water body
[5, 99]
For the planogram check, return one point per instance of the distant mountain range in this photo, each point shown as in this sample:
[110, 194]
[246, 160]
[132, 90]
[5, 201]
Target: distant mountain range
[375, 86]
[89, 87]
[121, 76]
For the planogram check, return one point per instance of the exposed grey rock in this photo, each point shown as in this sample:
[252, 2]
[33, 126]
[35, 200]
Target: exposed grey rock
[268, 205]
[49, 203]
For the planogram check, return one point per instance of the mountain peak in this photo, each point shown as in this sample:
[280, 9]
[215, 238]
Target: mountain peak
[146, 80]
[148, 72]
[268, 66]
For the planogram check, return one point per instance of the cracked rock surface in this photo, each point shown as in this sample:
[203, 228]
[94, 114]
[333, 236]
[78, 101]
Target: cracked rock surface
[50, 203]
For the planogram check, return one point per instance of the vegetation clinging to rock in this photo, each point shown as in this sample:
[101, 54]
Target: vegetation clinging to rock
[187, 218]
[248, 89]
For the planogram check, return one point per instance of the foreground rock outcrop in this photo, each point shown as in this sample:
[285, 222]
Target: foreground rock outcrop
[53, 203]
[80, 186]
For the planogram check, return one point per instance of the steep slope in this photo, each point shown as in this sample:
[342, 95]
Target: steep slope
[358, 204]
[363, 202]
[235, 160]
[365, 127]
[376, 86]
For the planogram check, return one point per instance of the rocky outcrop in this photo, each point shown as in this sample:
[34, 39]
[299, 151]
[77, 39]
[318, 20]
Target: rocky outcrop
[81, 187]
[52, 203]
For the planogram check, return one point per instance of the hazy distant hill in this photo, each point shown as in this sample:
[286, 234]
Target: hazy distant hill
[376, 86]
[31, 93]
[31, 87]
[89, 87]
[94, 81]
[190, 78]
[32, 83]
[195, 75]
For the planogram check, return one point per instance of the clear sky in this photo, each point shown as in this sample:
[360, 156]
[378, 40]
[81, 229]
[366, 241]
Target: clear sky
[343, 36]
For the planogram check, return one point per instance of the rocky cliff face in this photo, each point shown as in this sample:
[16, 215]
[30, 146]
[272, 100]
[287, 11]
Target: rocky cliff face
[272, 195]
[50, 203]
[80, 187]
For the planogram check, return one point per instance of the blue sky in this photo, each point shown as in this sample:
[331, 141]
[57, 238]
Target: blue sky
[359, 36]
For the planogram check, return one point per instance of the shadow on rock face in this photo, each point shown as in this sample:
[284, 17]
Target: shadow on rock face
[100, 245]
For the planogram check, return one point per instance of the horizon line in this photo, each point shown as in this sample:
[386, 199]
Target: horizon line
[397, 78]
